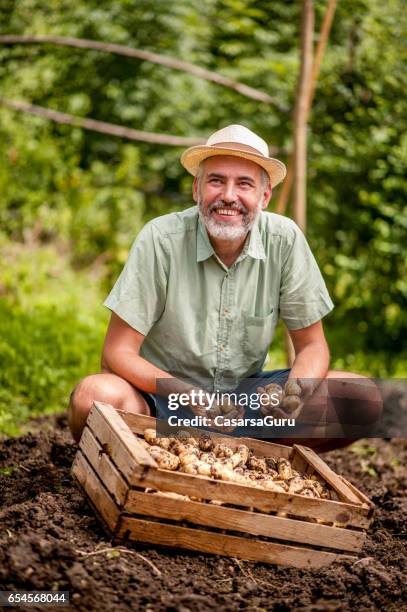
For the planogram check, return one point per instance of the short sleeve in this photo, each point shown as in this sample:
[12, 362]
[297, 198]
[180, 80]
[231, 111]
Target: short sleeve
[139, 295]
[304, 298]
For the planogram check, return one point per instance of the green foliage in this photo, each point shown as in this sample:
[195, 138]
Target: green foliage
[83, 196]
[361, 112]
[51, 336]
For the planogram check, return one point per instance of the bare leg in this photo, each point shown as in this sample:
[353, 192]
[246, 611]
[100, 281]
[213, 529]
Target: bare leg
[105, 387]
[354, 405]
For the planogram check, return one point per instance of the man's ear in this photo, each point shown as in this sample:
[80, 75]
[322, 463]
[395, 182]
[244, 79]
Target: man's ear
[267, 197]
[195, 193]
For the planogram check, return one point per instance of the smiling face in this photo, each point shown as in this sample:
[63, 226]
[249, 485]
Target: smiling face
[230, 193]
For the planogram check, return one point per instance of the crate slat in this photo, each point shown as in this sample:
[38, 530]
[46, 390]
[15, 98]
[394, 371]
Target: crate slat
[363, 498]
[327, 474]
[240, 494]
[245, 521]
[298, 463]
[103, 466]
[111, 415]
[117, 439]
[96, 492]
[226, 545]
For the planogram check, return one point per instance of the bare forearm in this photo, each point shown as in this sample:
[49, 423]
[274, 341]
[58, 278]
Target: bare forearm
[311, 362]
[138, 371]
[121, 356]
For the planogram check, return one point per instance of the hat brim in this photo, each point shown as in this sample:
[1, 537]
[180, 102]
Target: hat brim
[192, 157]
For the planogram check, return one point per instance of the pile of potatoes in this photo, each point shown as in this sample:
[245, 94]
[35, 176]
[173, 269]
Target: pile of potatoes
[204, 456]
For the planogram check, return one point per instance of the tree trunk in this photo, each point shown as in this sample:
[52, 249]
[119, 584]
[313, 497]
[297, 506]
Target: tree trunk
[322, 42]
[301, 115]
[300, 131]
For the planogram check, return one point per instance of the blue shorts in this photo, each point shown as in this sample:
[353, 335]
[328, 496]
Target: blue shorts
[159, 404]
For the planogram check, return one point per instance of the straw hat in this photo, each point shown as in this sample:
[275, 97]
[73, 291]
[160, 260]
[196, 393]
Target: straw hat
[237, 141]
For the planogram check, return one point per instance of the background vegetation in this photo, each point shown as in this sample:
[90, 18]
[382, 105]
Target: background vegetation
[72, 201]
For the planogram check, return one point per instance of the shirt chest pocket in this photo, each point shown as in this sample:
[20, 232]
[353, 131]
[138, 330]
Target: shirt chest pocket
[258, 333]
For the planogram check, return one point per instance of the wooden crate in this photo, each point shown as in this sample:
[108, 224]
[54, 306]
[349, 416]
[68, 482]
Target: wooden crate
[114, 470]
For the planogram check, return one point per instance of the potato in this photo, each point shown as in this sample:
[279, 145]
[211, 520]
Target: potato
[270, 485]
[221, 450]
[226, 405]
[284, 469]
[295, 485]
[257, 463]
[189, 468]
[290, 403]
[204, 469]
[164, 459]
[281, 483]
[208, 458]
[314, 484]
[265, 410]
[309, 492]
[205, 443]
[275, 393]
[292, 387]
[215, 411]
[150, 436]
[186, 458]
[186, 449]
[143, 443]
[271, 463]
[243, 450]
[221, 472]
[171, 495]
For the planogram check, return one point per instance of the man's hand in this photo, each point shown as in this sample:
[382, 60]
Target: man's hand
[284, 403]
[237, 412]
[307, 386]
[225, 409]
[199, 403]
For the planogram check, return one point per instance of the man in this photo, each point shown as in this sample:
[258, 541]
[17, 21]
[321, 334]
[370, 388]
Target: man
[202, 291]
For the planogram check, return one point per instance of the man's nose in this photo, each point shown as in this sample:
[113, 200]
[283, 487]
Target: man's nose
[229, 192]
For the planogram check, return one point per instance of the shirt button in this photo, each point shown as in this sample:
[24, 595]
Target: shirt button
[226, 311]
[221, 348]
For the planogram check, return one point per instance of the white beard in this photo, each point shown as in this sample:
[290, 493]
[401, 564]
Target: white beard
[223, 229]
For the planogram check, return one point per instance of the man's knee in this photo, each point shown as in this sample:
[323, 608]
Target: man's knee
[372, 401]
[89, 389]
[357, 398]
[107, 388]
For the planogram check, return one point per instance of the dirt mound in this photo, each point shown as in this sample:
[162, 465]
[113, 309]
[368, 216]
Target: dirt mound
[50, 539]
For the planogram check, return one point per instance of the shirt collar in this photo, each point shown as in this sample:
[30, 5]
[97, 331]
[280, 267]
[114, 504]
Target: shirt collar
[253, 247]
[204, 249]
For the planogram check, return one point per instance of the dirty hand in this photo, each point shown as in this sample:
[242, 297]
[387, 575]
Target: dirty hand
[228, 412]
[282, 402]
[199, 403]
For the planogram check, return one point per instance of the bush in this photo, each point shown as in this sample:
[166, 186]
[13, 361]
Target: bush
[52, 336]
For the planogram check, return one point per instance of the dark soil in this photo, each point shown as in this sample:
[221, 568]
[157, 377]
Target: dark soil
[47, 530]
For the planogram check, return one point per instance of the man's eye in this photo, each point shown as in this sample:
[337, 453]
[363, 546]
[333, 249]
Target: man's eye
[215, 180]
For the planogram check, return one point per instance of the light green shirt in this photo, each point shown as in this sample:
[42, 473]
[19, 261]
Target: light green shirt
[203, 320]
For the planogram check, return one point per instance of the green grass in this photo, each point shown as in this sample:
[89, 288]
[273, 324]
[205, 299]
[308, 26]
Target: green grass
[52, 332]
